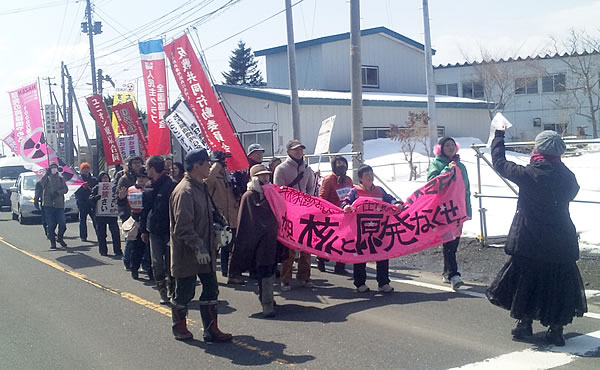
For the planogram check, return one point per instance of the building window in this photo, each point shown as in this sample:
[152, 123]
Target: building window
[264, 138]
[473, 90]
[447, 89]
[526, 86]
[372, 133]
[561, 128]
[554, 83]
[370, 76]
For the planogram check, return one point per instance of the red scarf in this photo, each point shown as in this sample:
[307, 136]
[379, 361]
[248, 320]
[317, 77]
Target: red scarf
[544, 157]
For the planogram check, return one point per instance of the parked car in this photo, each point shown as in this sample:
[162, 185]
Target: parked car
[23, 192]
[10, 168]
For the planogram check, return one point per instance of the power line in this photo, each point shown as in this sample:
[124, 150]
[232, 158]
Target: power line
[30, 8]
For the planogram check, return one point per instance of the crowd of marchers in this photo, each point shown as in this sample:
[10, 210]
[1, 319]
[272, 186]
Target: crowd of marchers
[179, 219]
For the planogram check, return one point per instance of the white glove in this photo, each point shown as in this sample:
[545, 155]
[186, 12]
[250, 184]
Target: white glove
[202, 255]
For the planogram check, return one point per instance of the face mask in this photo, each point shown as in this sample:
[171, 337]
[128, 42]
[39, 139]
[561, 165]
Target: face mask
[54, 171]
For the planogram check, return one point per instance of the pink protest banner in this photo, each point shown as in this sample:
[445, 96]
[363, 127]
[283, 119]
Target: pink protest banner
[11, 141]
[130, 124]
[198, 92]
[375, 230]
[29, 134]
[111, 149]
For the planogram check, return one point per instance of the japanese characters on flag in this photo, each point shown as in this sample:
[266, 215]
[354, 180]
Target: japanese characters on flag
[129, 146]
[376, 230]
[111, 149]
[123, 93]
[29, 134]
[130, 124]
[184, 127]
[193, 82]
[155, 83]
[11, 141]
[107, 204]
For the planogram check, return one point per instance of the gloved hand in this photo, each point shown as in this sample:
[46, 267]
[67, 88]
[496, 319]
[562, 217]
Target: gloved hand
[36, 205]
[202, 254]
[219, 156]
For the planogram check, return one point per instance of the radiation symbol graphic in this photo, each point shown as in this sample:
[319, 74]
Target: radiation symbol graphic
[33, 147]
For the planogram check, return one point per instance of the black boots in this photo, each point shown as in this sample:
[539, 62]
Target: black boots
[554, 335]
[321, 264]
[180, 330]
[52, 243]
[209, 321]
[523, 329]
[61, 241]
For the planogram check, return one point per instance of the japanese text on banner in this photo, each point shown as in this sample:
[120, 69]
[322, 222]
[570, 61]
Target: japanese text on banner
[111, 149]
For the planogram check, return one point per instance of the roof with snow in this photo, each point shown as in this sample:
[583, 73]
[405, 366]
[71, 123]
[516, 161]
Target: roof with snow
[518, 59]
[323, 97]
[343, 36]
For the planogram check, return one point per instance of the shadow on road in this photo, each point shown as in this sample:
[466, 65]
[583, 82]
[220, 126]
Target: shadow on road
[245, 350]
[78, 261]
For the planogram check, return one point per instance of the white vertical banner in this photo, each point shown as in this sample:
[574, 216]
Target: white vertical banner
[107, 204]
[184, 127]
[324, 137]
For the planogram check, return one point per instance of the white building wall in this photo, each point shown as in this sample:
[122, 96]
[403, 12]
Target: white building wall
[459, 122]
[523, 109]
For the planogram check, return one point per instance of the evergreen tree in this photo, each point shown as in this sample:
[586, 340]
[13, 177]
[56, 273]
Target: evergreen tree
[244, 70]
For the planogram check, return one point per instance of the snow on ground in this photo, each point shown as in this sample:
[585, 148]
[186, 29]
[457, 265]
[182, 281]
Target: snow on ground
[387, 160]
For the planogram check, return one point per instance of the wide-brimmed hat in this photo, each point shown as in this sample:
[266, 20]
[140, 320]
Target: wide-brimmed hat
[259, 169]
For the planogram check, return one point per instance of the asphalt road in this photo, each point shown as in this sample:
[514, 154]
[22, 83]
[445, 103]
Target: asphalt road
[75, 309]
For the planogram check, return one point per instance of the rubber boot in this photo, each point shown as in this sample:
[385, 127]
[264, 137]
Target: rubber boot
[523, 329]
[209, 315]
[52, 243]
[555, 335]
[161, 285]
[180, 330]
[61, 241]
[266, 296]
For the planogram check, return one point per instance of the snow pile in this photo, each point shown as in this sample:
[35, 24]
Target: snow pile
[387, 159]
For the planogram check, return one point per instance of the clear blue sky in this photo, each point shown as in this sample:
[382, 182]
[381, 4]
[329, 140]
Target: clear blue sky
[35, 35]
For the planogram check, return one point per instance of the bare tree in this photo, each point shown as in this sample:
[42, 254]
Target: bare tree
[582, 60]
[415, 131]
[500, 78]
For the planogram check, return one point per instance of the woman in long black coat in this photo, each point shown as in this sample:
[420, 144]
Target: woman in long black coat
[541, 280]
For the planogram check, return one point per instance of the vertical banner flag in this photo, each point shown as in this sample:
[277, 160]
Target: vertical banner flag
[155, 83]
[11, 142]
[124, 92]
[184, 127]
[324, 137]
[130, 124]
[111, 149]
[199, 94]
[29, 134]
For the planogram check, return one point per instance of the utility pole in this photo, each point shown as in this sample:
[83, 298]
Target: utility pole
[291, 49]
[429, 78]
[69, 127]
[63, 74]
[356, 88]
[92, 29]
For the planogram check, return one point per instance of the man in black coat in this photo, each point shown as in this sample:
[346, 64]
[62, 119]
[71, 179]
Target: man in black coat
[83, 200]
[154, 222]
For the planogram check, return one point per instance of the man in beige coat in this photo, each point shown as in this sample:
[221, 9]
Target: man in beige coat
[193, 251]
[293, 172]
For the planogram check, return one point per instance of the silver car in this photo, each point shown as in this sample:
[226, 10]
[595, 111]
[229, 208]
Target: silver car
[22, 196]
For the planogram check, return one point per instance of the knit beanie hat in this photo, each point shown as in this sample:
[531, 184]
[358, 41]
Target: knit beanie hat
[550, 143]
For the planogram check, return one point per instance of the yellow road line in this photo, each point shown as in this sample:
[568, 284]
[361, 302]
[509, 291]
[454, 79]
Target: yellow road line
[138, 300]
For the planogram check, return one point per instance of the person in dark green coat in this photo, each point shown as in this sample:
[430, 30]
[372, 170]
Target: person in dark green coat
[447, 158]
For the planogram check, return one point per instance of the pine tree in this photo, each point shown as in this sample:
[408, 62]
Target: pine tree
[244, 70]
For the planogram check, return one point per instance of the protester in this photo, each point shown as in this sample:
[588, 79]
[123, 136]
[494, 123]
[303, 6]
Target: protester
[134, 244]
[220, 188]
[193, 251]
[178, 171]
[154, 223]
[169, 165]
[273, 163]
[103, 221]
[368, 189]
[334, 189]
[541, 280]
[55, 188]
[293, 172]
[241, 178]
[83, 200]
[446, 159]
[256, 248]
[38, 200]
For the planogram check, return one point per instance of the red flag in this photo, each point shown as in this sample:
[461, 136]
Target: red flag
[130, 124]
[155, 83]
[199, 94]
[111, 149]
